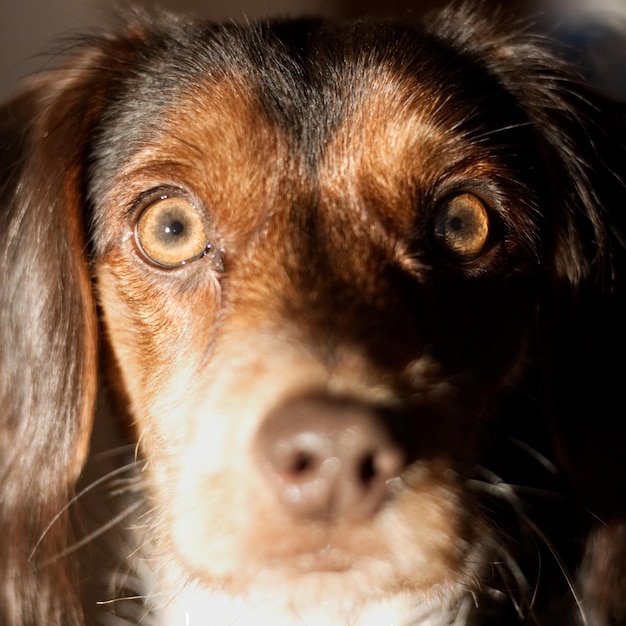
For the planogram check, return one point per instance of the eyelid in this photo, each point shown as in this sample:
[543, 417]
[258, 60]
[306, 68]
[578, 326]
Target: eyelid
[160, 192]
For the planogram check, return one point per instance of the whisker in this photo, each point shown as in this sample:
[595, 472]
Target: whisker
[112, 601]
[516, 490]
[81, 494]
[510, 573]
[114, 521]
[463, 612]
[111, 453]
[535, 454]
[564, 570]
[506, 492]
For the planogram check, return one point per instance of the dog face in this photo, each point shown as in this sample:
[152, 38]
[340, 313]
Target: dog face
[321, 255]
[285, 263]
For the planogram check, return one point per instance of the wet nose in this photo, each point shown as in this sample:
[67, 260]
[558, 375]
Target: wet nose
[328, 459]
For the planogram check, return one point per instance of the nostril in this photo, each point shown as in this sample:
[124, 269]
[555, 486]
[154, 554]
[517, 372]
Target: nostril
[328, 458]
[367, 469]
[293, 451]
[379, 464]
[303, 463]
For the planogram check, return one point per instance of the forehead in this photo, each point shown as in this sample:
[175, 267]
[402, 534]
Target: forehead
[306, 75]
[236, 110]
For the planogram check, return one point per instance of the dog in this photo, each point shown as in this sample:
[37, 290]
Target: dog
[344, 303]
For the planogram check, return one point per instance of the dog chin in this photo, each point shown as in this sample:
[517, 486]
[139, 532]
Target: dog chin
[301, 604]
[318, 591]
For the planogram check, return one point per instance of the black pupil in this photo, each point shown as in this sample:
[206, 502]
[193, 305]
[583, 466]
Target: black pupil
[174, 228]
[456, 223]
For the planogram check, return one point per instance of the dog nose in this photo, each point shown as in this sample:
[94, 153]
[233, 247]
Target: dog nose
[329, 459]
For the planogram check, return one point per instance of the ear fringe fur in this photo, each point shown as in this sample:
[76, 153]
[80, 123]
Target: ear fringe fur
[48, 350]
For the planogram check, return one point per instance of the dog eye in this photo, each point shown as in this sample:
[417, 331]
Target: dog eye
[171, 232]
[462, 226]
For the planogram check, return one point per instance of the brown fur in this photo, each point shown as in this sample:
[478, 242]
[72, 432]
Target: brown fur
[319, 159]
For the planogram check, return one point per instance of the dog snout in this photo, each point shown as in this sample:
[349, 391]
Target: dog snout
[328, 459]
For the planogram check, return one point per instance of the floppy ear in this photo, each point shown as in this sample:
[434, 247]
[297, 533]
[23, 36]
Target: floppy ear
[581, 140]
[581, 135]
[583, 329]
[47, 338]
[584, 332]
